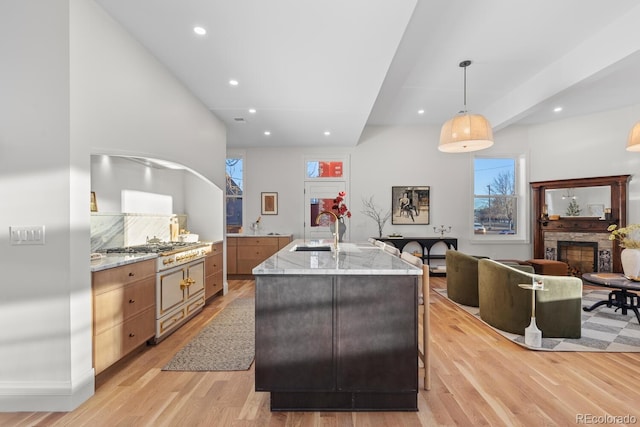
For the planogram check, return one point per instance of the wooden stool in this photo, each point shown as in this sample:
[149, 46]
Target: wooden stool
[549, 267]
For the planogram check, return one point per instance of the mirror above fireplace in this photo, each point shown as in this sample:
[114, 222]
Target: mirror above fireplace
[579, 201]
[579, 210]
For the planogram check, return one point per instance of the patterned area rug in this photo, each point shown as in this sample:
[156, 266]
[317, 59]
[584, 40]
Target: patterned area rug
[227, 342]
[603, 329]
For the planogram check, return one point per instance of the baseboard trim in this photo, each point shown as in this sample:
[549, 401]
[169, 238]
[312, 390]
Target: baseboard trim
[61, 396]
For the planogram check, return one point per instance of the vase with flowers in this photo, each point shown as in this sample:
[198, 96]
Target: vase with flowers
[340, 209]
[629, 239]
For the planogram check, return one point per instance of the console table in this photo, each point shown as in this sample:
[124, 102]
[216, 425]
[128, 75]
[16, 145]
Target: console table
[426, 243]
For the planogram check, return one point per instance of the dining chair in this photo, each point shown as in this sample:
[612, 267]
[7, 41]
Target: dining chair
[392, 249]
[423, 317]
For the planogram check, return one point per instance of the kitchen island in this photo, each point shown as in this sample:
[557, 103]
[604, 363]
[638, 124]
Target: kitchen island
[337, 331]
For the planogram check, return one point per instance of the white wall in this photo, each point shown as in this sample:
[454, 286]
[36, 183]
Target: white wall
[73, 83]
[45, 304]
[110, 175]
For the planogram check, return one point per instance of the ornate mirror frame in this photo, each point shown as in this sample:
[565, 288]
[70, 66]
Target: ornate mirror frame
[542, 224]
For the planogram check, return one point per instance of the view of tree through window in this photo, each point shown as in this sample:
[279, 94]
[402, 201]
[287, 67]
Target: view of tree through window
[234, 174]
[495, 198]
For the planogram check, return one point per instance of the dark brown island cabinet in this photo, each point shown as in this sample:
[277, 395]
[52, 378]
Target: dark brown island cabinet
[338, 342]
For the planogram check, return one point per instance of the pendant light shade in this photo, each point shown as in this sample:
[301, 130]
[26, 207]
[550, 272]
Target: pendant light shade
[465, 132]
[633, 143]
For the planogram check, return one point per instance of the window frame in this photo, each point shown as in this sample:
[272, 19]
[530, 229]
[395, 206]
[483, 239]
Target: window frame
[521, 199]
[236, 155]
[327, 158]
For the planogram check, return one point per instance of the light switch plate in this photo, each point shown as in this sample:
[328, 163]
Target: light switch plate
[27, 235]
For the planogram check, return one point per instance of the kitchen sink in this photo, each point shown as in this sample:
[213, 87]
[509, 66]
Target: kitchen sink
[311, 248]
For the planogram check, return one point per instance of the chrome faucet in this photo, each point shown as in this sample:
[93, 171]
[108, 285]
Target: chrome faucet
[335, 235]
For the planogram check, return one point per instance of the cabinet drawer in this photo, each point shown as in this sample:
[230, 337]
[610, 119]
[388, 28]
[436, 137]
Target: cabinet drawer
[258, 241]
[259, 253]
[232, 241]
[214, 284]
[119, 304]
[216, 248]
[106, 280]
[114, 343]
[213, 263]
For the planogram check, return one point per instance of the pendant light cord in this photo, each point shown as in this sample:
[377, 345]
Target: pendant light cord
[464, 65]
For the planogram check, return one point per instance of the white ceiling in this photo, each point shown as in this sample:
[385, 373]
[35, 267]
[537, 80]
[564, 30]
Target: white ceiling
[337, 65]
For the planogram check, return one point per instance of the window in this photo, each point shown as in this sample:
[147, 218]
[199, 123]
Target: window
[497, 189]
[323, 169]
[235, 185]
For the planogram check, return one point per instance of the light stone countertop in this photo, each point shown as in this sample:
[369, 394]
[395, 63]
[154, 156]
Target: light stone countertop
[352, 259]
[117, 260]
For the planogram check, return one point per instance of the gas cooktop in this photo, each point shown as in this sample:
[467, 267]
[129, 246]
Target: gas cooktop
[156, 248]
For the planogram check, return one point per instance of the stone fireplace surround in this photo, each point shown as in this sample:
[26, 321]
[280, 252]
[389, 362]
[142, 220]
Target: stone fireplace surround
[603, 247]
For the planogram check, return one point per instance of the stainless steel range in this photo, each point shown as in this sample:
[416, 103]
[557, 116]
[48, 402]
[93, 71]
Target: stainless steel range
[180, 273]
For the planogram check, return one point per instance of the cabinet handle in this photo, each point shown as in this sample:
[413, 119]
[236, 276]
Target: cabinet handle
[131, 335]
[132, 274]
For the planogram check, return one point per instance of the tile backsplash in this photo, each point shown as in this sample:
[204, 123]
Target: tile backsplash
[110, 230]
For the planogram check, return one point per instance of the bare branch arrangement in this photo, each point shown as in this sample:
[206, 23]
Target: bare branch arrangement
[375, 213]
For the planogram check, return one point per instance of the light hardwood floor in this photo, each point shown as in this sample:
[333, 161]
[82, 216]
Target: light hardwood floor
[478, 378]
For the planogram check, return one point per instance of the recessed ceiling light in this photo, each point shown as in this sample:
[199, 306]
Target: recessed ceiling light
[252, 110]
[327, 133]
[420, 111]
[266, 132]
[557, 109]
[233, 82]
[199, 31]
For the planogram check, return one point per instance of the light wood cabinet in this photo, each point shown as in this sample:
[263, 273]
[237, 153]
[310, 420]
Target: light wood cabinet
[213, 271]
[246, 252]
[123, 311]
[232, 257]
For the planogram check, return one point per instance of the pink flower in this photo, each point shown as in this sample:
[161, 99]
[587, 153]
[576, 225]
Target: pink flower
[339, 208]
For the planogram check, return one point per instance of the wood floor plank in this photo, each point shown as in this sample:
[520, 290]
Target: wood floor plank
[478, 378]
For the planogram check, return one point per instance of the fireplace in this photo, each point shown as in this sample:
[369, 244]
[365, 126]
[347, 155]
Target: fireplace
[549, 229]
[582, 257]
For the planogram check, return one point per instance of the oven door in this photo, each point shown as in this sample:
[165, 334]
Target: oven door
[171, 292]
[179, 296]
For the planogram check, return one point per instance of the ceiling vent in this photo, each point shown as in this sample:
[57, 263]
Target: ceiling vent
[239, 120]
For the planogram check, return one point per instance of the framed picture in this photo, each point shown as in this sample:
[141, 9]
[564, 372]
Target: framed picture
[269, 203]
[93, 202]
[410, 205]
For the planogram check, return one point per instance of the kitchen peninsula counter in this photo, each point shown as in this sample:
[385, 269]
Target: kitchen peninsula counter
[337, 331]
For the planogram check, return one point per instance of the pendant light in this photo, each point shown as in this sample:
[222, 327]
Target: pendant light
[633, 143]
[465, 132]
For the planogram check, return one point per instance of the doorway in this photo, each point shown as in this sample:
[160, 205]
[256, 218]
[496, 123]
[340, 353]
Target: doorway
[318, 197]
